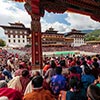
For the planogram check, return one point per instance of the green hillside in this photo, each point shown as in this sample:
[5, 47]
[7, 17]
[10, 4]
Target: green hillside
[93, 36]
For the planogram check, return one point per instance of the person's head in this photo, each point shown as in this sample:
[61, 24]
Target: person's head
[88, 58]
[52, 64]
[37, 81]
[3, 83]
[36, 73]
[93, 92]
[78, 63]
[72, 69]
[84, 62]
[21, 65]
[25, 73]
[74, 84]
[87, 70]
[95, 59]
[62, 63]
[58, 70]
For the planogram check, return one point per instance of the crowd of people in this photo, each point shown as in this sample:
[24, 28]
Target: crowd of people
[87, 48]
[62, 78]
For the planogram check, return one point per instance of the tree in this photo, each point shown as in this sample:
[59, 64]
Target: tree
[2, 43]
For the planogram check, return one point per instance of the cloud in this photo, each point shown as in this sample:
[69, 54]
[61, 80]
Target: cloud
[11, 13]
[14, 12]
[81, 22]
[76, 21]
[60, 27]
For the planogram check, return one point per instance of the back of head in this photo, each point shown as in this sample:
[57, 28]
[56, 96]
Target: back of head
[37, 81]
[25, 73]
[93, 92]
[53, 64]
[58, 70]
[95, 64]
[88, 58]
[95, 59]
[78, 62]
[72, 69]
[63, 63]
[87, 70]
[3, 84]
[75, 84]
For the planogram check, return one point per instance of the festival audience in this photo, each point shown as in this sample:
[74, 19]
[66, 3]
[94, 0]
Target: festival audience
[59, 72]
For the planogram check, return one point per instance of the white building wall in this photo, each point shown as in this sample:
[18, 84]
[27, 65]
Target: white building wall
[22, 43]
[78, 42]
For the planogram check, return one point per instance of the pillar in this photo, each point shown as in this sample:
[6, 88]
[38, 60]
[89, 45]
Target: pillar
[36, 42]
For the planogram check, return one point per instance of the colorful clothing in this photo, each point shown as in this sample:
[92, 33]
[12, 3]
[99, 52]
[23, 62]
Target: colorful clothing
[7, 73]
[12, 94]
[39, 94]
[19, 83]
[19, 72]
[87, 80]
[58, 82]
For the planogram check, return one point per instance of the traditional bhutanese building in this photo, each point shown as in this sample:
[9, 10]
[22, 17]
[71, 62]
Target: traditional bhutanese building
[17, 35]
[54, 39]
[78, 37]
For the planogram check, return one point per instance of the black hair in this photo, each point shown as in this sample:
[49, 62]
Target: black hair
[93, 92]
[53, 64]
[20, 66]
[58, 70]
[96, 64]
[88, 58]
[87, 70]
[25, 73]
[37, 81]
[78, 62]
[95, 59]
[75, 84]
[62, 63]
[72, 69]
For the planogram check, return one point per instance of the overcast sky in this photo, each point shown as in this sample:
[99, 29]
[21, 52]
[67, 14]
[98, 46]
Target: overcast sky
[15, 12]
